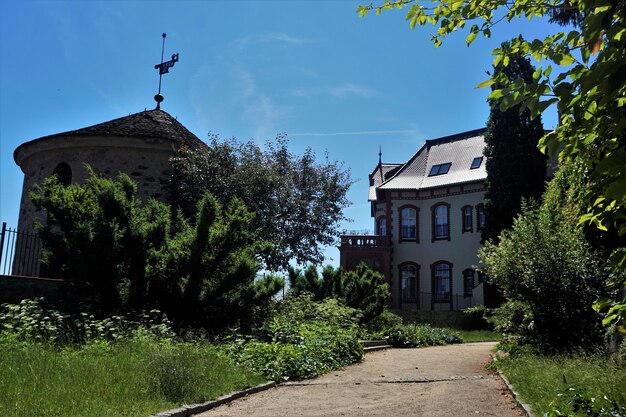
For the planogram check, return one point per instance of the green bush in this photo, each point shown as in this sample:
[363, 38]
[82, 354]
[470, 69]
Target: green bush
[478, 318]
[362, 288]
[302, 340]
[545, 263]
[385, 321]
[409, 336]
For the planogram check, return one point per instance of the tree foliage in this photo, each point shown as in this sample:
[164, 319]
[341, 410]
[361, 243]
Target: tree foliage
[298, 202]
[363, 288]
[516, 168]
[119, 254]
[548, 271]
[584, 74]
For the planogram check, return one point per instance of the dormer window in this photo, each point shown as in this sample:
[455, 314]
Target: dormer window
[440, 169]
[477, 162]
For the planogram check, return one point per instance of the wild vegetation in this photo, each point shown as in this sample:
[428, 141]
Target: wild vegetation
[548, 271]
[566, 385]
[63, 365]
[118, 255]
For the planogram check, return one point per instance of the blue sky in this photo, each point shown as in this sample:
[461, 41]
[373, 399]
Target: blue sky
[248, 69]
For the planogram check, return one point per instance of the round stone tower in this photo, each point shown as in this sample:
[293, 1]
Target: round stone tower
[139, 145]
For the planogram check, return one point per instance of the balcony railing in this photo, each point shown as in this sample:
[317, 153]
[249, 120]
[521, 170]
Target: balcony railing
[365, 241]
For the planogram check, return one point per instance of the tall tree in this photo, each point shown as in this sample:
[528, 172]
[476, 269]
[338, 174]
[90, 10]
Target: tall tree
[298, 202]
[516, 168]
[589, 90]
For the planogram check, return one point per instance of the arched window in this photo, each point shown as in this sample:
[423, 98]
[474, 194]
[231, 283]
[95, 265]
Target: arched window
[408, 223]
[480, 217]
[441, 221]
[408, 281]
[467, 219]
[468, 282]
[63, 173]
[381, 227]
[442, 281]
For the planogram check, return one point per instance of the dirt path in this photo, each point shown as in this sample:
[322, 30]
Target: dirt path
[438, 381]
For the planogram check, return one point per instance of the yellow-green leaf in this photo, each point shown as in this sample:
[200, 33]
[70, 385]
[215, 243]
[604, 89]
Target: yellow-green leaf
[485, 83]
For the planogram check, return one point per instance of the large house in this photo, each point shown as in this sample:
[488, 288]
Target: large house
[428, 214]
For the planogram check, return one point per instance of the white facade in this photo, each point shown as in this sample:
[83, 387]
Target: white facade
[431, 210]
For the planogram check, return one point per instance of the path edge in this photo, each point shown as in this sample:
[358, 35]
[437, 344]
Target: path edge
[525, 407]
[191, 409]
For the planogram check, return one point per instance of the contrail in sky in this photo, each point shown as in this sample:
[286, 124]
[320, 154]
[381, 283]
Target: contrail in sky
[356, 133]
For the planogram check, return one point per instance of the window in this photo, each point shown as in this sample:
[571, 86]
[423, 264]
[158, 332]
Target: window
[482, 277]
[468, 282]
[466, 218]
[63, 173]
[408, 223]
[442, 283]
[408, 281]
[381, 228]
[441, 221]
[476, 162]
[439, 169]
[480, 217]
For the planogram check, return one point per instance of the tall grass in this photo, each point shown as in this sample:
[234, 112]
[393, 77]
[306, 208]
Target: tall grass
[539, 379]
[132, 378]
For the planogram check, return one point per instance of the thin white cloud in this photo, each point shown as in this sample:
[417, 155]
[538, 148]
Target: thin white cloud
[357, 133]
[346, 90]
[259, 109]
[341, 91]
[283, 38]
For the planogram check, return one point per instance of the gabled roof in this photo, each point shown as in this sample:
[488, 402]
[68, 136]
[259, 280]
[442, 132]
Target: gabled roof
[458, 150]
[379, 175]
[146, 124]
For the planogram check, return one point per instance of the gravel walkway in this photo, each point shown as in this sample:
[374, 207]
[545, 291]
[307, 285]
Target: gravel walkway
[437, 381]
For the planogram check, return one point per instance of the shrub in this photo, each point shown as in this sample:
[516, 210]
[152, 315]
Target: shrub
[409, 336]
[478, 318]
[385, 321]
[545, 263]
[362, 288]
[302, 340]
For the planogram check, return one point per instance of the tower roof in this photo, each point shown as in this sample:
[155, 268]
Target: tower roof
[146, 124]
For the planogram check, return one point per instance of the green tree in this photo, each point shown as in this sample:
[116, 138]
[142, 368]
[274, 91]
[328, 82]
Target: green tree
[298, 202]
[548, 271]
[362, 289]
[516, 168]
[588, 88]
[208, 278]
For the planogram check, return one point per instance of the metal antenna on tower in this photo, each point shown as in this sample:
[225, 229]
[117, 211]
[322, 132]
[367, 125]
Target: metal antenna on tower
[164, 68]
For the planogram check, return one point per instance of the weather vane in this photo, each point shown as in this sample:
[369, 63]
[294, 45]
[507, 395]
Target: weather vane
[164, 68]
